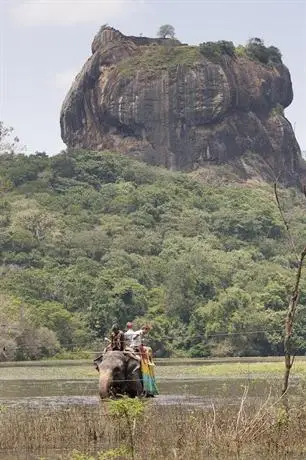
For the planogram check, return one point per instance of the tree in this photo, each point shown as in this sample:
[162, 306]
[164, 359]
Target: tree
[8, 144]
[217, 49]
[275, 56]
[166, 31]
[92, 238]
[289, 353]
[256, 49]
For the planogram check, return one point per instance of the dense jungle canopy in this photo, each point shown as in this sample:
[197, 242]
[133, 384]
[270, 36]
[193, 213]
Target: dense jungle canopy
[90, 238]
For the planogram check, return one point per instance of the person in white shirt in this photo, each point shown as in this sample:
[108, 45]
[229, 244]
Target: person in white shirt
[137, 338]
[129, 334]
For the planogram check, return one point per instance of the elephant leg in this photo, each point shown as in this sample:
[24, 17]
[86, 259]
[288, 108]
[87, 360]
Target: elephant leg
[139, 387]
[134, 387]
[133, 377]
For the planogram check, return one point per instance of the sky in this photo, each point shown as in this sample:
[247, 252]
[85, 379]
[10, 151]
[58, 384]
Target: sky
[44, 43]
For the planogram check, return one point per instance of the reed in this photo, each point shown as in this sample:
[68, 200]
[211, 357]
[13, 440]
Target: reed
[158, 432]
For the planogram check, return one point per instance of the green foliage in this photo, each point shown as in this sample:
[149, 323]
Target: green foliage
[118, 452]
[126, 407]
[240, 51]
[256, 49]
[129, 411]
[19, 336]
[19, 169]
[153, 59]
[92, 238]
[166, 31]
[214, 50]
[277, 110]
[9, 143]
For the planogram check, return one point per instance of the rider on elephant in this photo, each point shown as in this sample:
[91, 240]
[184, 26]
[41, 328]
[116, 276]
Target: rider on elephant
[117, 339]
[129, 334]
[120, 362]
[137, 339]
[146, 363]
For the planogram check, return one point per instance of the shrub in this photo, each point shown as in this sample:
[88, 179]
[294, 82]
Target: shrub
[277, 110]
[36, 343]
[256, 49]
[217, 49]
[240, 51]
[8, 349]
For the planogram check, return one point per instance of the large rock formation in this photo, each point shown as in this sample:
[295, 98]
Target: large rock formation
[166, 103]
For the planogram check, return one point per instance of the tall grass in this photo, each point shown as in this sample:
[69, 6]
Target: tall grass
[159, 432]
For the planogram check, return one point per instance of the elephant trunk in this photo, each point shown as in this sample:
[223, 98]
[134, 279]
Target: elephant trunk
[105, 382]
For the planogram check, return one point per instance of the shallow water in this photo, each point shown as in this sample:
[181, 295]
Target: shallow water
[60, 383]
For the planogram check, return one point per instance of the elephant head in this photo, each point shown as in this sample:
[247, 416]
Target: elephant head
[118, 374]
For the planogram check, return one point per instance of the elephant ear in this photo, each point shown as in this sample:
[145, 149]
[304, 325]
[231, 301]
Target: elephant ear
[98, 361]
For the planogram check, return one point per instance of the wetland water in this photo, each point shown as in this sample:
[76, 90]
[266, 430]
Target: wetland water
[195, 382]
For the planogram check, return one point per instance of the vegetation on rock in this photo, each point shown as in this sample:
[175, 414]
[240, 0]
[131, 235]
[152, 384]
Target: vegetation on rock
[153, 59]
[217, 49]
[89, 238]
[183, 107]
[167, 57]
[255, 49]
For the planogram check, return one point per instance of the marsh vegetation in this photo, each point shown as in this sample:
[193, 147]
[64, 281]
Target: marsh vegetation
[158, 432]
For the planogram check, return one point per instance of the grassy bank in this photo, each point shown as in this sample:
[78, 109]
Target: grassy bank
[227, 370]
[165, 369]
[154, 432]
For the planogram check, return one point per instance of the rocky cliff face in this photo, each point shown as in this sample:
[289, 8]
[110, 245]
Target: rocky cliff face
[167, 104]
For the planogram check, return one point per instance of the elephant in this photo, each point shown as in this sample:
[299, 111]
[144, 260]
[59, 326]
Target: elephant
[119, 374]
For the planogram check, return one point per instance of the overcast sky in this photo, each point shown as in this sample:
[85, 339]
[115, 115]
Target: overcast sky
[45, 42]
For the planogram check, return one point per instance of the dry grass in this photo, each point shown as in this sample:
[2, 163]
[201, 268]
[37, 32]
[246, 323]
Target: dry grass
[161, 432]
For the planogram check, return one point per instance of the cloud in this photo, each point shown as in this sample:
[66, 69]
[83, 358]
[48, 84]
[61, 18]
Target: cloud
[67, 12]
[63, 80]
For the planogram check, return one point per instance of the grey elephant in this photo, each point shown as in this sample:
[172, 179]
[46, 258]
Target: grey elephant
[119, 374]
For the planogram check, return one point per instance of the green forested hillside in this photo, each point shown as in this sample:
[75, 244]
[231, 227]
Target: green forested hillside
[91, 238]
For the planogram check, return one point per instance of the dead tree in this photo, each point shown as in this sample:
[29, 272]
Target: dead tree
[289, 353]
[289, 322]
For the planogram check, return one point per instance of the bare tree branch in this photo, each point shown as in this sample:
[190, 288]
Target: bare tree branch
[289, 355]
[285, 221]
[289, 322]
